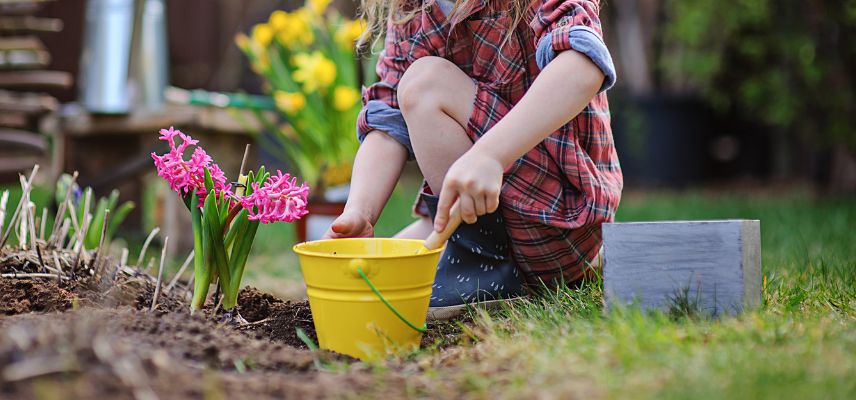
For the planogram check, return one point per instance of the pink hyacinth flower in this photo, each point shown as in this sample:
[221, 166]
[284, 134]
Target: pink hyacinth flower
[187, 176]
[278, 199]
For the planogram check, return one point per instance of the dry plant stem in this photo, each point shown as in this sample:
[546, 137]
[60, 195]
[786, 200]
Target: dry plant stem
[34, 275]
[24, 234]
[235, 210]
[123, 260]
[74, 224]
[44, 222]
[160, 274]
[58, 268]
[32, 210]
[244, 160]
[146, 245]
[59, 241]
[101, 241]
[60, 212]
[25, 192]
[4, 198]
[79, 244]
[180, 271]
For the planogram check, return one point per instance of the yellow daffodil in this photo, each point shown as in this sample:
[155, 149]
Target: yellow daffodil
[345, 97]
[279, 20]
[349, 32]
[258, 55]
[318, 6]
[262, 35]
[289, 103]
[314, 71]
[293, 28]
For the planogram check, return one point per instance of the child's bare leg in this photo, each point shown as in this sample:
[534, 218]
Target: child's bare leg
[419, 229]
[377, 167]
[436, 99]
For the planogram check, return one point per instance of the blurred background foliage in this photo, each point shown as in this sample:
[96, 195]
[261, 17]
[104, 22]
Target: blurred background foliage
[788, 63]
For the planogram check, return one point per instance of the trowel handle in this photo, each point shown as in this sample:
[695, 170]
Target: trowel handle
[436, 239]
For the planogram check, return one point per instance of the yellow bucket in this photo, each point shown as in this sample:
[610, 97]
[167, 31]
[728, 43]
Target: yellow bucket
[366, 293]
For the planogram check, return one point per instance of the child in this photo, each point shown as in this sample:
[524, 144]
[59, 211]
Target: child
[502, 105]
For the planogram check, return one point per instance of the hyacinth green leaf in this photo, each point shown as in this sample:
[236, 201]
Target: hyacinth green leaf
[238, 229]
[223, 208]
[218, 250]
[201, 271]
[251, 177]
[261, 175]
[113, 200]
[119, 215]
[240, 253]
[209, 182]
[93, 235]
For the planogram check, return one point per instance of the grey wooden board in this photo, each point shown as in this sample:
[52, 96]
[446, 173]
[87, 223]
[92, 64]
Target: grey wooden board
[715, 264]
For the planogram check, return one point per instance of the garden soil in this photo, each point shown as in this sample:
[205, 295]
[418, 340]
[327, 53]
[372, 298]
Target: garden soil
[84, 339]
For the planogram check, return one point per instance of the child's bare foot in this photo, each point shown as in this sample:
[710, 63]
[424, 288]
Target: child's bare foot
[350, 225]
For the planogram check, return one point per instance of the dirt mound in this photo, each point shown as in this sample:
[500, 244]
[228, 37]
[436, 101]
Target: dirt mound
[276, 319]
[18, 296]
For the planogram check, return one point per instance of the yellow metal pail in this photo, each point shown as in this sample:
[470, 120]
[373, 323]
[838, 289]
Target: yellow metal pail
[350, 318]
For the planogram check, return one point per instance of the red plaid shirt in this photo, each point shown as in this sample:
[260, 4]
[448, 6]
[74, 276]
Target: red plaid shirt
[569, 181]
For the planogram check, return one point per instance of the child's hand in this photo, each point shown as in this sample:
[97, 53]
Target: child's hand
[350, 225]
[476, 180]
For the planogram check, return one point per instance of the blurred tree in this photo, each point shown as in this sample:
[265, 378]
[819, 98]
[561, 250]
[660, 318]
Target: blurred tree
[788, 63]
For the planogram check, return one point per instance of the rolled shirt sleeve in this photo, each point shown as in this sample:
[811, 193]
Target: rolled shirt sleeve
[378, 115]
[380, 101]
[561, 25]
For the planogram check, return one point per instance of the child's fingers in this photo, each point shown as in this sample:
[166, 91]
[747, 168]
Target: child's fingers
[340, 227]
[448, 195]
[468, 208]
[491, 202]
[480, 204]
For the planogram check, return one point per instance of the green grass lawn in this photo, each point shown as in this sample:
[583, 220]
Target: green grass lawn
[800, 344]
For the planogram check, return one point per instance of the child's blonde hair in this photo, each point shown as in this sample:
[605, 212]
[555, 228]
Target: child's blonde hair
[379, 13]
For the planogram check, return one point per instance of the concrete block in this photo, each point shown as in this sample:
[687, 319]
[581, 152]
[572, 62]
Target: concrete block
[713, 265]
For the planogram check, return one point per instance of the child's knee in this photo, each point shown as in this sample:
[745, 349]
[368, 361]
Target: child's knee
[424, 83]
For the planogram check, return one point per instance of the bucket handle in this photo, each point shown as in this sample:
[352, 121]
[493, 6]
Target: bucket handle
[421, 329]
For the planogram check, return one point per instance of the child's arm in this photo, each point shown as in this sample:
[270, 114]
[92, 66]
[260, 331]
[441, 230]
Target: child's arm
[377, 167]
[562, 89]
[382, 154]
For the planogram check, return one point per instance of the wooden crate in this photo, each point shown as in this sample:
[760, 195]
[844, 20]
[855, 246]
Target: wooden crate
[710, 266]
